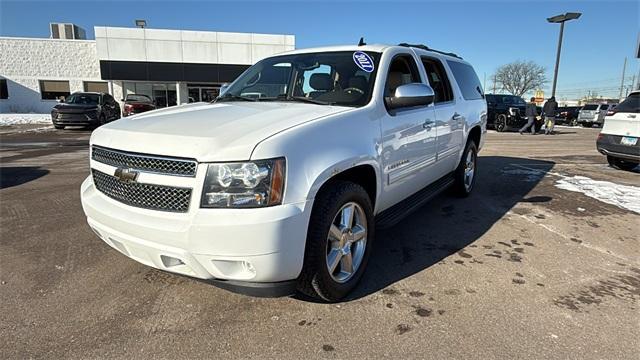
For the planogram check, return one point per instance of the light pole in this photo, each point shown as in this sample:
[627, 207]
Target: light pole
[560, 19]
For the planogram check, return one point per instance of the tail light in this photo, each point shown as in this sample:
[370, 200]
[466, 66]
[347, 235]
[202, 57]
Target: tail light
[128, 107]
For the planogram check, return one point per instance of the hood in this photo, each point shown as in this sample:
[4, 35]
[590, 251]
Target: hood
[207, 132]
[74, 108]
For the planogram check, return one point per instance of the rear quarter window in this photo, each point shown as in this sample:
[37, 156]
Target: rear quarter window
[631, 104]
[467, 80]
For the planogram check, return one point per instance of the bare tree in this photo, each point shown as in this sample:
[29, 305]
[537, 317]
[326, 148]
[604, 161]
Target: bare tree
[520, 77]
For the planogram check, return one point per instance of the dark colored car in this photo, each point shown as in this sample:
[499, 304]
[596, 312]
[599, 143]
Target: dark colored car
[85, 109]
[506, 112]
[137, 103]
[568, 115]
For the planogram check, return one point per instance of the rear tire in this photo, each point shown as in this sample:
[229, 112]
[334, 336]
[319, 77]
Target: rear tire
[587, 125]
[621, 164]
[467, 171]
[331, 240]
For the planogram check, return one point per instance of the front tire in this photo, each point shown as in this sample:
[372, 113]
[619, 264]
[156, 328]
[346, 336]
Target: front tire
[501, 123]
[621, 164]
[467, 171]
[339, 242]
[58, 127]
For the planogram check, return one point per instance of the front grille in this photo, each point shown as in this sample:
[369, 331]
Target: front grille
[148, 196]
[150, 163]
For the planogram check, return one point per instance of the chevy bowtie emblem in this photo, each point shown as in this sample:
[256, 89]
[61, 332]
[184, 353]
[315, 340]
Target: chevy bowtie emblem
[126, 175]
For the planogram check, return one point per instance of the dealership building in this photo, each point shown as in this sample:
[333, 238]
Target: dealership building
[170, 66]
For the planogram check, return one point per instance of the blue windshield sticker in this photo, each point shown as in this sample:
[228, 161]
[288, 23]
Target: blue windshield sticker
[363, 61]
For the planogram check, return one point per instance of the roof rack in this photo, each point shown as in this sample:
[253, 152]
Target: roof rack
[425, 47]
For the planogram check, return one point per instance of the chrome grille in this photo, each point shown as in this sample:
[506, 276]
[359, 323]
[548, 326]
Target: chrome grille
[150, 163]
[148, 196]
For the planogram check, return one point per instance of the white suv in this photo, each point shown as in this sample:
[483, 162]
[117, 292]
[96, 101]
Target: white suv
[280, 183]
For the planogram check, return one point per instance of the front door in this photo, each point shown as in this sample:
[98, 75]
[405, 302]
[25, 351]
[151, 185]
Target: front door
[408, 136]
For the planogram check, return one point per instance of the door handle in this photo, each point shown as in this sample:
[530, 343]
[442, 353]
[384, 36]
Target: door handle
[427, 124]
[456, 117]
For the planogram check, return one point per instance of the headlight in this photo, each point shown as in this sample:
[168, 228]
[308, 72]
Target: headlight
[244, 185]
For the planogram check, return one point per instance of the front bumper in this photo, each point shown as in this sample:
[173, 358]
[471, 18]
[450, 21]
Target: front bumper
[74, 119]
[609, 145]
[256, 250]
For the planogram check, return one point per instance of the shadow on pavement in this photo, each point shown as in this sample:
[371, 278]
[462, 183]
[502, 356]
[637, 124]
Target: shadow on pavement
[447, 224]
[14, 176]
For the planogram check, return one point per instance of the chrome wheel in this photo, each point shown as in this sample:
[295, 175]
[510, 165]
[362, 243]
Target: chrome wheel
[346, 242]
[469, 169]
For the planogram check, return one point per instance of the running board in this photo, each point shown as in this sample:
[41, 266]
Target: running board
[399, 211]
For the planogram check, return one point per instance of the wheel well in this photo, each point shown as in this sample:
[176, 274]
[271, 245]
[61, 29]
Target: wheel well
[363, 175]
[474, 135]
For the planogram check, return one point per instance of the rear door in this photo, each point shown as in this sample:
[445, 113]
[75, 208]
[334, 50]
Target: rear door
[448, 121]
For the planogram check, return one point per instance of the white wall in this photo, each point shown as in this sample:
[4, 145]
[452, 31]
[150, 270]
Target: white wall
[205, 47]
[25, 61]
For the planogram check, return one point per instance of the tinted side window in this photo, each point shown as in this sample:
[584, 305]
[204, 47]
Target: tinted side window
[4, 92]
[403, 70]
[630, 104]
[438, 80]
[467, 80]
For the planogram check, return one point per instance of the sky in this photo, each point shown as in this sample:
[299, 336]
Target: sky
[487, 34]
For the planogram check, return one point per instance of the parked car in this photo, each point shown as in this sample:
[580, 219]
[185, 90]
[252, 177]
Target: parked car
[618, 139]
[137, 103]
[85, 109]
[507, 112]
[270, 194]
[593, 114]
[568, 115]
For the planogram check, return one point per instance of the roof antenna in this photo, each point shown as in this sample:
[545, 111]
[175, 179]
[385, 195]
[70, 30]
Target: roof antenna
[361, 42]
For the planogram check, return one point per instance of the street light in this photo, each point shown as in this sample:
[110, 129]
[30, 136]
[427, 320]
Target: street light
[560, 19]
[141, 23]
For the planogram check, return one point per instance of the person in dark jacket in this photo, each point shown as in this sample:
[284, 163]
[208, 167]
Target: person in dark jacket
[549, 112]
[530, 112]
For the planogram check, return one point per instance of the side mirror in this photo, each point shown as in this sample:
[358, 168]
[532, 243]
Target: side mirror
[411, 95]
[61, 100]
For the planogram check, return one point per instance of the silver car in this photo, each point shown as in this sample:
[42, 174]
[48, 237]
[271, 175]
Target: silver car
[593, 114]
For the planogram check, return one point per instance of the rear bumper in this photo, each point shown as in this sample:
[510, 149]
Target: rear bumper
[252, 251]
[609, 145]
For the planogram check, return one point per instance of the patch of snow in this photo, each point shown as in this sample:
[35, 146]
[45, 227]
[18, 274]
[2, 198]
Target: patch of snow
[20, 119]
[526, 175]
[623, 196]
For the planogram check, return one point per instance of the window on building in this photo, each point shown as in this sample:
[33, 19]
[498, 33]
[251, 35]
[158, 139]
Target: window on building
[96, 86]
[4, 91]
[54, 89]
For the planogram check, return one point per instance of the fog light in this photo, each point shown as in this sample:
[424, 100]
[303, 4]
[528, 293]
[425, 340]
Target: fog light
[248, 267]
[169, 261]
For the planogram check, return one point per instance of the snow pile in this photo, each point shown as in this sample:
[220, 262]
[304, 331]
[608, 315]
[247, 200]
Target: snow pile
[20, 119]
[624, 196]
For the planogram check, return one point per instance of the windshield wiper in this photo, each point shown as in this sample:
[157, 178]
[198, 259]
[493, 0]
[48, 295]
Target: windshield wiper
[283, 97]
[235, 97]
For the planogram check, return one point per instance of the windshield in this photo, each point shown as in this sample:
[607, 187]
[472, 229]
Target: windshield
[516, 100]
[330, 78]
[139, 98]
[83, 99]
[590, 107]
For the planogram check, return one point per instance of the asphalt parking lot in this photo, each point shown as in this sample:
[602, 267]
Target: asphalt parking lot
[521, 269]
